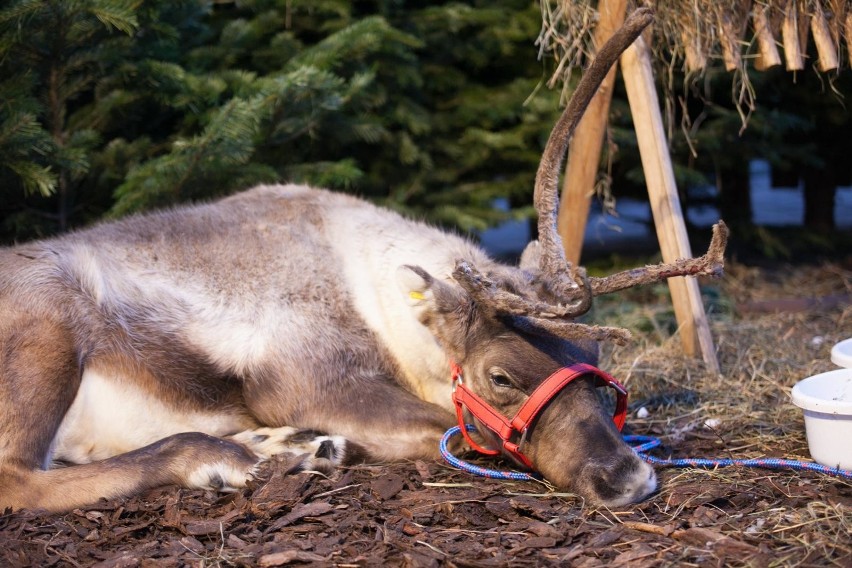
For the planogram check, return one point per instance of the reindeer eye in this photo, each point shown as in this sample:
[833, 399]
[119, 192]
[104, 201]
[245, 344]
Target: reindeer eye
[501, 380]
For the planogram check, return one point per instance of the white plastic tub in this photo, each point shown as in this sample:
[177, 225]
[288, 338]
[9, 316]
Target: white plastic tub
[841, 353]
[826, 400]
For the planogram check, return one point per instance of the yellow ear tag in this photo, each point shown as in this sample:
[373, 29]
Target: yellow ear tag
[416, 296]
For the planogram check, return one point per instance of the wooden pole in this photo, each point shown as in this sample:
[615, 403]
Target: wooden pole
[827, 60]
[730, 41]
[665, 204]
[768, 55]
[848, 27]
[584, 153]
[790, 34]
[693, 52]
[838, 10]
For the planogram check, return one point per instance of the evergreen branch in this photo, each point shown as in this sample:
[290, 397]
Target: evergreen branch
[21, 133]
[35, 178]
[364, 36]
[343, 174]
[228, 141]
[118, 14]
[20, 10]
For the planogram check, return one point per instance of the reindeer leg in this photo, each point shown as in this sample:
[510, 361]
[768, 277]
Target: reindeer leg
[191, 459]
[386, 421]
[40, 376]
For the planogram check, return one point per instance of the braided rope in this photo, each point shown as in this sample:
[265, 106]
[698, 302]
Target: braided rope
[649, 442]
[475, 469]
[642, 445]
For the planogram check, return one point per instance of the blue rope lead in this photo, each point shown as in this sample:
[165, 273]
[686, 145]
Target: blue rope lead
[641, 445]
[649, 442]
[475, 469]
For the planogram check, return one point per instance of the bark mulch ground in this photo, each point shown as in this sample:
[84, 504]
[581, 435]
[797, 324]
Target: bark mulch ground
[424, 515]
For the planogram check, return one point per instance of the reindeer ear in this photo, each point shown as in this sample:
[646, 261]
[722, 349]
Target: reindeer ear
[443, 307]
[425, 293]
[531, 257]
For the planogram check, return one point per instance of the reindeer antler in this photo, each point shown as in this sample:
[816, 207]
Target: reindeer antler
[568, 284]
[571, 330]
[519, 297]
[485, 291]
[560, 274]
[711, 264]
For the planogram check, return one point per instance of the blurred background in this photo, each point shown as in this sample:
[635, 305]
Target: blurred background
[437, 109]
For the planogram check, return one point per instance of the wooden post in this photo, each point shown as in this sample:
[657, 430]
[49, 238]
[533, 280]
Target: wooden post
[848, 27]
[665, 204]
[693, 52]
[826, 49]
[730, 41]
[838, 10]
[584, 153]
[768, 55]
[790, 34]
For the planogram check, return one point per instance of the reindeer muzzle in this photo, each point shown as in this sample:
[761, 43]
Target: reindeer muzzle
[513, 432]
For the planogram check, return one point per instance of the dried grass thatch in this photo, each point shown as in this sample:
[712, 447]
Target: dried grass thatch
[693, 33]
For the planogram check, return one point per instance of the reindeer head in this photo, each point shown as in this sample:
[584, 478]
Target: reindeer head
[511, 328]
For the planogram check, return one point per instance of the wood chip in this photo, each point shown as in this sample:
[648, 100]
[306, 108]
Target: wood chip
[288, 556]
[387, 486]
[300, 512]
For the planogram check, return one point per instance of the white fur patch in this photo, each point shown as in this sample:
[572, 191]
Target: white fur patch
[238, 338]
[111, 416]
[90, 273]
[399, 445]
[268, 442]
[237, 334]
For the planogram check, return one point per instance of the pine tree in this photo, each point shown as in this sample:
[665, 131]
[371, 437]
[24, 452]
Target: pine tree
[50, 58]
[489, 119]
[421, 107]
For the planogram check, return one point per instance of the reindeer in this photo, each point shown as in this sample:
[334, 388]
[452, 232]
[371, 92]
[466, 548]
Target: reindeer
[188, 345]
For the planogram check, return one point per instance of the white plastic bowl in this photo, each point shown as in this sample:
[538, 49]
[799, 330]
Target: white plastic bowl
[841, 353]
[826, 400]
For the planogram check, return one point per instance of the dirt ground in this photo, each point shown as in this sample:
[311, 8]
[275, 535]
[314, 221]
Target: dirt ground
[428, 514]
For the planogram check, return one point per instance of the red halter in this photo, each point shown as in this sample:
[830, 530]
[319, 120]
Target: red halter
[516, 428]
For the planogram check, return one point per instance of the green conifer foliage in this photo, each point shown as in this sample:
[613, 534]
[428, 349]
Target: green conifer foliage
[112, 107]
[50, 60]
